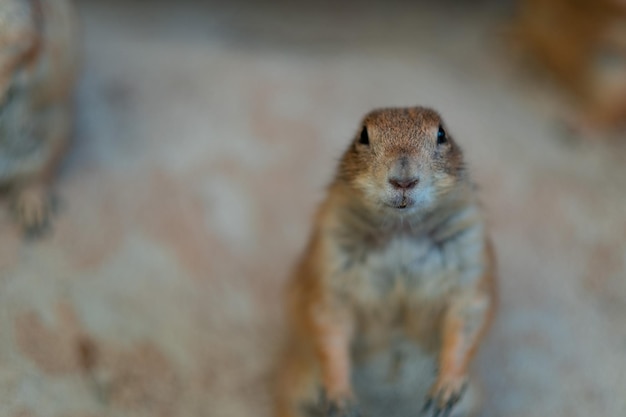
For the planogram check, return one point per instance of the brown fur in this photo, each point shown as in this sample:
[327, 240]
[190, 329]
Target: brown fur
[38, 65]
[566, 38]
[382, 258]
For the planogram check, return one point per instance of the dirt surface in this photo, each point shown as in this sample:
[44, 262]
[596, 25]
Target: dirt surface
[205, 137]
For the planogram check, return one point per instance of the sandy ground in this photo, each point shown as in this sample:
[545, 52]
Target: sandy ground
[205, 136]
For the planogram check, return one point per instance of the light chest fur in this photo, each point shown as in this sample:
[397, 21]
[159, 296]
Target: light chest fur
[403, 277]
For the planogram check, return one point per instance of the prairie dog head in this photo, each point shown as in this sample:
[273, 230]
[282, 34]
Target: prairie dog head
[403, 160]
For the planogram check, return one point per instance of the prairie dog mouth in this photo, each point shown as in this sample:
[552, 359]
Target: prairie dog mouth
[401, 203]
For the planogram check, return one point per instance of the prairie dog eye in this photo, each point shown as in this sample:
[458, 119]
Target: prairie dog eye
[364, 138]
[441, 136]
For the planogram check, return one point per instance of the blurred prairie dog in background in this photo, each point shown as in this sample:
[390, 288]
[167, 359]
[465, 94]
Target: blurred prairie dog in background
[38, 70]
[571, 40]
[398, 247]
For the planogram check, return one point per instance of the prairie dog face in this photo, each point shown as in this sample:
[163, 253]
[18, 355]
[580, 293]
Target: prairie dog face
[402, 159]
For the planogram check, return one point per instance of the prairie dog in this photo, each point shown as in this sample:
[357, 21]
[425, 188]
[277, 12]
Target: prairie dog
[398, 247]
[38, 66]
[571, 41]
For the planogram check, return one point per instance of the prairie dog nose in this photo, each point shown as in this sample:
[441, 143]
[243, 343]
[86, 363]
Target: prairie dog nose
[403, 183]
[402, 175]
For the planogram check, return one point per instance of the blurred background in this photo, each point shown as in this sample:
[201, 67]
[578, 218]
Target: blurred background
[206, 134]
